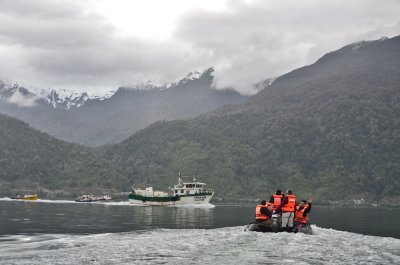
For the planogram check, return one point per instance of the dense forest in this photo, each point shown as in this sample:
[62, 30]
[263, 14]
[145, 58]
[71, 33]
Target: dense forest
[33, 161]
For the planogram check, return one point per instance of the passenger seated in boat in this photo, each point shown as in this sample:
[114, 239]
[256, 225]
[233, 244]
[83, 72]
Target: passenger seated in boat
[263, 214]
[302, 211]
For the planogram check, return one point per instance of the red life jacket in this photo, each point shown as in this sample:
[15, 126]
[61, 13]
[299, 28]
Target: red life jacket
[259, 214]
[277, 201]
[290, 205]
[298, 217]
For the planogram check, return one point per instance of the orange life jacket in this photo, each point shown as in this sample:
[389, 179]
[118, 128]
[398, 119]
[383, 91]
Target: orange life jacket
[298, 217]
[290, 205]
[269, 206]
[277, 201]
[259, 214]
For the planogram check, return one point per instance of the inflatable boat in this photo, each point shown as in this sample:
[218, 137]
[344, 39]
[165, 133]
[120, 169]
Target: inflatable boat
[274, 226]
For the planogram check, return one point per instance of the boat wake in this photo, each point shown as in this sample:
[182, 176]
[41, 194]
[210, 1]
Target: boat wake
[114, 203]
[38, 200]
[229, 245]
[208, 205]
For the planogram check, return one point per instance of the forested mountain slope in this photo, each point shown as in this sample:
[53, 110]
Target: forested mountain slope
[330, 130]
[33, 160]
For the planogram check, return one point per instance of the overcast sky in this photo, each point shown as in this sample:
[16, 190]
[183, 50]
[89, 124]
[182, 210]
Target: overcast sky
[102, 44]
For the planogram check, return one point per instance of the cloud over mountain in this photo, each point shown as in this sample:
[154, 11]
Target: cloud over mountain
[65, 43]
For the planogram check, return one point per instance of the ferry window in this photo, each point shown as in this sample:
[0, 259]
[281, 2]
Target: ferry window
[176, 191]
[182, 191]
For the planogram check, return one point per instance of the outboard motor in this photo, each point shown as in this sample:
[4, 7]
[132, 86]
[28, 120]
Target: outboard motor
[276, 223]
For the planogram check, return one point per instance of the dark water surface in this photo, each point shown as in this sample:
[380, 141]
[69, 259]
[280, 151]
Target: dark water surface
[66, 217]
[65, 233]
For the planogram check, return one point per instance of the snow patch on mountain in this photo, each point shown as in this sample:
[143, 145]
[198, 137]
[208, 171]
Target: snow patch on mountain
[156, 85]
[24, 96]
[190, 77]
[64, 98]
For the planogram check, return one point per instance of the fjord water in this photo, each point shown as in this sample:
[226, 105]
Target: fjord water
[64, 232]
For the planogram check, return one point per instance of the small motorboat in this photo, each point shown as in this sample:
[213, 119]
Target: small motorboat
[274, 225]
[92, 198]
[27, 197]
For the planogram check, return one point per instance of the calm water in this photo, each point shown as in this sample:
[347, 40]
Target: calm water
[64, 232]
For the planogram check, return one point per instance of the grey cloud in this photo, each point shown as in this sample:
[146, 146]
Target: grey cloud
[51, 24]
[62, 44]
[56, 9]
[79, 49]
[259, 39]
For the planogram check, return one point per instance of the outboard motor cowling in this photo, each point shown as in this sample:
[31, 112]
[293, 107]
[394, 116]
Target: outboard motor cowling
[276, 223]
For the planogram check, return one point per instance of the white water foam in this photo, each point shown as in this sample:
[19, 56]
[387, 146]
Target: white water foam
[208, 205]
[229, 245]
[37, 201]
[115, 203]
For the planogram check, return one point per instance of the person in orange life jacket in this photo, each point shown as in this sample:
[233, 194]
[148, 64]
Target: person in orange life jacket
[288, 207]
[262, 212]
[276, 199]
[302, 211]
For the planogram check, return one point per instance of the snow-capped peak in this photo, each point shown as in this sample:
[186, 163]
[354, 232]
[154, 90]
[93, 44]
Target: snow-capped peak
[191, 76]
[67, 98]
[156, 85]
[24, 96]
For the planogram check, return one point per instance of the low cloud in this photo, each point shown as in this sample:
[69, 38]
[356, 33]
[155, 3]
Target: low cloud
[21, 100]
[257, 39]
[63, 44]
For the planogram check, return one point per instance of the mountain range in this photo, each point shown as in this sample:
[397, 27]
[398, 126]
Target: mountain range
[329, 131]
[95, 121]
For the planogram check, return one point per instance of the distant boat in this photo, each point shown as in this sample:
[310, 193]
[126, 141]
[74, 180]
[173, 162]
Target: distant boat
[92, 198]
[183, 193]
[28, 197]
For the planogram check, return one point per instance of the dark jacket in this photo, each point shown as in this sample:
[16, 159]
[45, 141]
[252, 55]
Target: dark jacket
[266, 212]
[307, 210]
[283, 203]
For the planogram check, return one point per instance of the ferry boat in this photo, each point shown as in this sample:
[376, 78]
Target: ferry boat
[92, 198]
[183, 193]
[30, 197]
